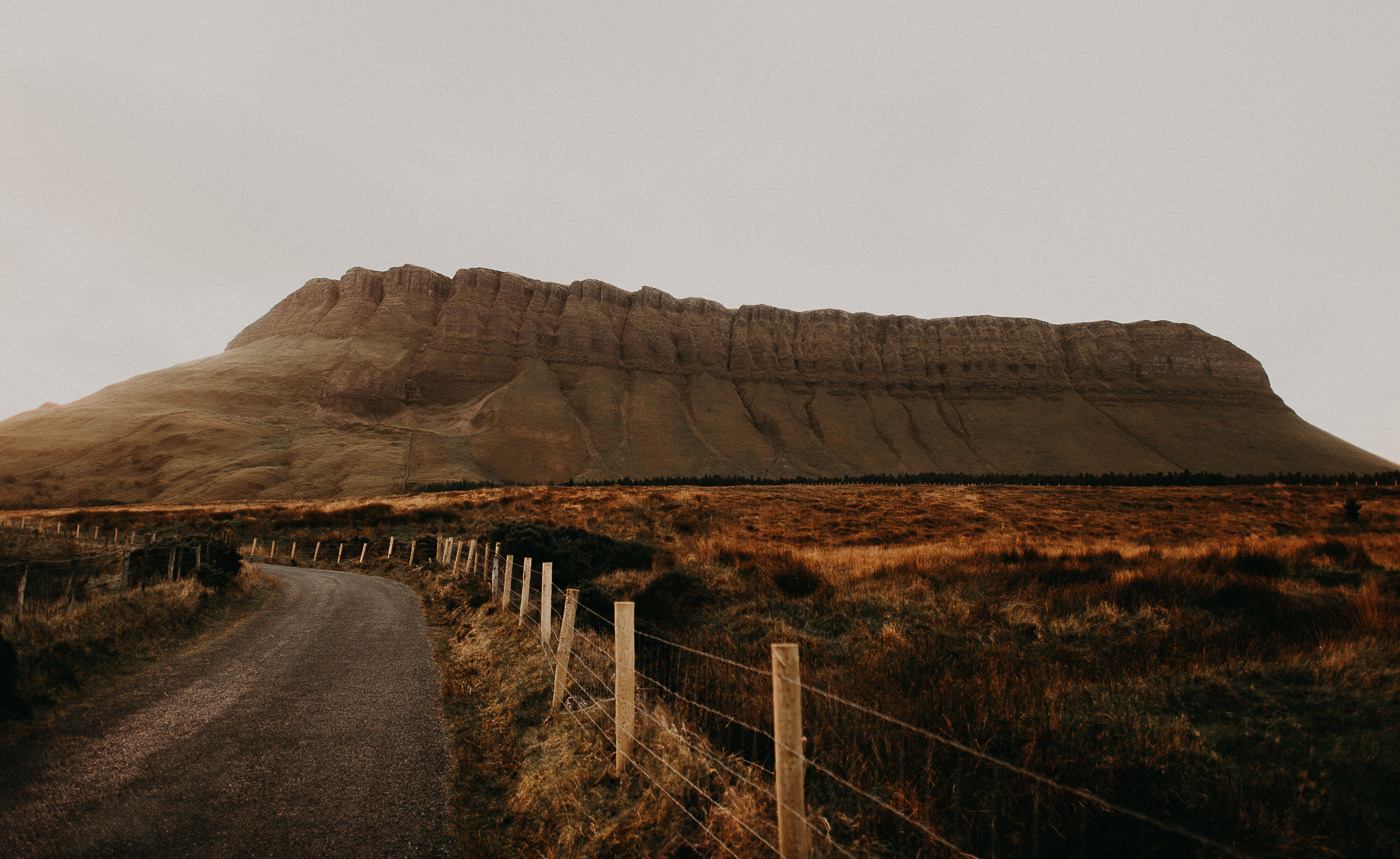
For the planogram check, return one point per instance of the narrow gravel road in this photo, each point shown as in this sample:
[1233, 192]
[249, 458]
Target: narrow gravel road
[310, 729]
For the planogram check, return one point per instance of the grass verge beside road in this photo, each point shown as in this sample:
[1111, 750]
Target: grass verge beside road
[55, 657]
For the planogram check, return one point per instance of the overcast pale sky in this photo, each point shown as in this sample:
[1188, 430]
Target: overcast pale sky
[171, 170]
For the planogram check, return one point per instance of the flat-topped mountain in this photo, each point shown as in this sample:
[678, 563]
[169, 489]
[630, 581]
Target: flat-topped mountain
[385, 380]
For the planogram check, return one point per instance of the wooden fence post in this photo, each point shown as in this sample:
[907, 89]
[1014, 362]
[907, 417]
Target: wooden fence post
[364, 548]
[471, 556]
[412, 549]
[546, 602]
[794, 841]
[525, 589]
[170, 568]
[254, 551]
[391, 548]
[293, 555]
[19, 598]
[624, 680]
[505, 582]
[339, 553]
[272, 555]
[316, 554]
[457, 556]
[566, 644]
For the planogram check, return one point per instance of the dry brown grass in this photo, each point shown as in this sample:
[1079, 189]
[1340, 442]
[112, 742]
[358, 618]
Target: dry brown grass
[532, 783]
[68, 651]
[1225, 658]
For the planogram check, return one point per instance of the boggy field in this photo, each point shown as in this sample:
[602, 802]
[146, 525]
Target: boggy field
[1225, 659]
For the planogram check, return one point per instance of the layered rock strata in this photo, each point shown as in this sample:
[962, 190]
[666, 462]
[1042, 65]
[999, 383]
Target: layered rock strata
[384, 380]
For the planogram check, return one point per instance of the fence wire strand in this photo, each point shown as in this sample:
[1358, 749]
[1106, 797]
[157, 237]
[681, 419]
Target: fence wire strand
[588, 689]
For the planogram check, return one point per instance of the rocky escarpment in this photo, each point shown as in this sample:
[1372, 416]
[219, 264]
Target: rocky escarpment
[380, 381]
[491, 314]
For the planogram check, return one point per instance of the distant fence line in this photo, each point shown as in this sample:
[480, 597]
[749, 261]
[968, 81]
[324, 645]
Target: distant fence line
[596, 682]
[116, 561]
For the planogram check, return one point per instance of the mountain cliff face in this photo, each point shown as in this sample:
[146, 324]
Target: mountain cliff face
[384, 380]
[496, 315]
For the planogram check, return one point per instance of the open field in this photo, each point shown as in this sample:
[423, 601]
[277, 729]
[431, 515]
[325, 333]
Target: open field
[1227, 659]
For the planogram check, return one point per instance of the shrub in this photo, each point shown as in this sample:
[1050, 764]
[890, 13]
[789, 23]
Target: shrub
[578, 555]
[1351, 509]
[671, 600]
[217, 578]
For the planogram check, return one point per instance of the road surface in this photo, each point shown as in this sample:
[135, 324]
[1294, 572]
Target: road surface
[312, 728]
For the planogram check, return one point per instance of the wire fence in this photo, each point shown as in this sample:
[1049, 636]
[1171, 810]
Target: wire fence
[871, 784]
[33, 579]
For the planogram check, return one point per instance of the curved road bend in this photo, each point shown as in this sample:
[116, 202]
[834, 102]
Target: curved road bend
[311, 728]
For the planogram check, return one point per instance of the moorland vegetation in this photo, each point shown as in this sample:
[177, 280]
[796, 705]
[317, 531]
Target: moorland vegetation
[1226, 659]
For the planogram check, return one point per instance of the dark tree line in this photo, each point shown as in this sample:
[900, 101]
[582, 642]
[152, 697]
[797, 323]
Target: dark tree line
[1160, 478]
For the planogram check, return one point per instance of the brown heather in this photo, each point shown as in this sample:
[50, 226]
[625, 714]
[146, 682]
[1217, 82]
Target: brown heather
[1225, 659]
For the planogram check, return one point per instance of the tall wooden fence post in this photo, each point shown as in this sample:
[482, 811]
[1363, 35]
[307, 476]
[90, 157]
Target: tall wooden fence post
[272, 553]
[339, 553]
[412, 548]
[471, 556]
[391, 548]
[505, 582]
[624, 680]
[546, 602]
[364, 548]
[19, 598]
[316, 554]
[456, 556]
[494, 552]
[254, 551]
[525, 589]
[566, 644]
[794, 841]
[293, 555]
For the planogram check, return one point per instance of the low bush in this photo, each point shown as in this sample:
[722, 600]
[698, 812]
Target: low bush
[578, 555]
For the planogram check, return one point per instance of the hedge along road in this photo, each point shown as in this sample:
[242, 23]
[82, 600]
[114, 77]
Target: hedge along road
[312, 728]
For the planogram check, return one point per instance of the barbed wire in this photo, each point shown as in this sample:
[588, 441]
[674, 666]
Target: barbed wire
[726, 716]
[78, 560]
[695, 748]
[603, 681]
[762, 672]
[638, 743]
[584, 607]
[506, 574]
[1048, 781]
